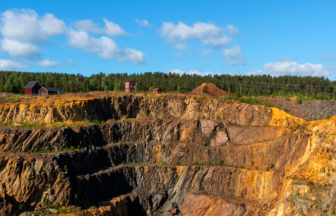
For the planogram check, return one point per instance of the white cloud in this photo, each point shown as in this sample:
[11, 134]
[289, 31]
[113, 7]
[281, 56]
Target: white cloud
[26, 26]
[207, 33]
[178, 71]
[48, 63]
[105, 47]
[233, 56]
[23, 30]
[82, 40]
[10, 65]
[144, 23]
[88, 26]
[181, 47]
[294, 69]
[110, 29]
[218, 42]
[50, 25]
[113, 29]
[16, 48]
[71, 62]
[232, 29]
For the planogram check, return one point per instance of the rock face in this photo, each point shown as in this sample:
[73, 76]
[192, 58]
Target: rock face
[258, 161]
[132, 106]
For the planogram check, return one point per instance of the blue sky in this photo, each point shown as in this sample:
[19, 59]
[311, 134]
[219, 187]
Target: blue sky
[217, 37]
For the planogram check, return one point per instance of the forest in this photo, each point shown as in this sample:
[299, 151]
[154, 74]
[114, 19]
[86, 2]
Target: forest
[14, 82]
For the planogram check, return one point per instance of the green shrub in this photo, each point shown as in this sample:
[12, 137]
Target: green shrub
[328, 116]
[298, 101]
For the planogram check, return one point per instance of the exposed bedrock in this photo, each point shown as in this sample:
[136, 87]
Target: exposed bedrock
[211, 132]
[258, 161]
[157, 164]
[136, 107]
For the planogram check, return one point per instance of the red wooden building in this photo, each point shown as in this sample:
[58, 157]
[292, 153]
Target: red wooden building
[32, 88]
[157, 90]
[50, 91]
[130, 86]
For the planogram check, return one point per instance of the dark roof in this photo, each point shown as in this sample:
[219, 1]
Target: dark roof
[54, 90]
[31, 84]
[157, 89]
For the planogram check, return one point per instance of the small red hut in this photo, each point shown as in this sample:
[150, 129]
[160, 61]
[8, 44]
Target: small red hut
[157, 90]
[32, 88]
[130, 86]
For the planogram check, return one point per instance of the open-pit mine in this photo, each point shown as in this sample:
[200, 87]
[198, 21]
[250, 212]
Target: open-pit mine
[135, 154]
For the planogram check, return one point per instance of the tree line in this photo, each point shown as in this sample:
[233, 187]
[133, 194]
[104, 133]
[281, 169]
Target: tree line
[14, 82]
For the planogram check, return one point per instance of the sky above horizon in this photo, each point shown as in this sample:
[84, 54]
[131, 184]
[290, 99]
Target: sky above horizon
[201, 37]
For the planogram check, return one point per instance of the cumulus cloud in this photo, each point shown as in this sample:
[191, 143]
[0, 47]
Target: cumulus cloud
[82, 40]
[105, 47]
[111, 28]
[16, 48]
[26, 26]
[207, 33]
[233, 56]
[50, 25]
[88, 26]
[23, 31]
[10, 65]
[181, 47]
[144, 23]
[48, 63]
[178, 71]
[232, 29]
[294, 69]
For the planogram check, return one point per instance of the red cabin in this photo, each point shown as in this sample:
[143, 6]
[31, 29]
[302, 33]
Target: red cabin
[50, 91]
[130, 86]
[32, 88]
[157, 90]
